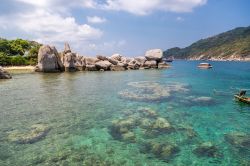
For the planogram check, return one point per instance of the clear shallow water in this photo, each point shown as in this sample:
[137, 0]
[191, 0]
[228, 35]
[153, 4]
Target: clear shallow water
[77, 113]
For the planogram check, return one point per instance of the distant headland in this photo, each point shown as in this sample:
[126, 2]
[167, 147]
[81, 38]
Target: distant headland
[233, 45]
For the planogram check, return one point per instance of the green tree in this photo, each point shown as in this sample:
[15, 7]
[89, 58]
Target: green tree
[4, 59]
[18, 60]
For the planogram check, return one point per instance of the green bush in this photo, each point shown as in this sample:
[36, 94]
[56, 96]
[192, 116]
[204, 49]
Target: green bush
[13, 52]
[18, 61]
[4, 59]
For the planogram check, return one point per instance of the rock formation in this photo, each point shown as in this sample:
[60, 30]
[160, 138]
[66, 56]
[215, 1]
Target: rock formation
[69, 58]
[49, 60]
[155, 54]
[4, 74]
[206, 149]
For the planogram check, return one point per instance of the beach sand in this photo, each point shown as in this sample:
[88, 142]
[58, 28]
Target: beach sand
[19, 69]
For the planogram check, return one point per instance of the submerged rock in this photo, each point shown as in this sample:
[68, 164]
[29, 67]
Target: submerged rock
[128, 136]
[164, 151]
[203, 99]
[4, 74]
[151, 91]
[161, 124]
[206, 149]
[147, 112]
[49, 60]
[238, 140]
[121, 129]
[34, 134]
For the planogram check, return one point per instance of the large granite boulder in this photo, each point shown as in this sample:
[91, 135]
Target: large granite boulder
[90, 68]
[105, 65]
[4, 74]
[91, 60]
[69, 58]
[101, 57]
[126, 60]
[155, 54]
[117, 57]
[80, 63]
[150, 64]
[140, 60]
[117, 68]
[49, 60]
[133, 65]
[113, 61]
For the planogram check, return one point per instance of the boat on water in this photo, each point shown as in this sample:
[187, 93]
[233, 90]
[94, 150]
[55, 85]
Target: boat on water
[242, 97]
[204, 66]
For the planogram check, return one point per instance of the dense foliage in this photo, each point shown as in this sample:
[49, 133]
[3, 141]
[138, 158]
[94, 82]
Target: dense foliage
[232, 43]
[18, 52]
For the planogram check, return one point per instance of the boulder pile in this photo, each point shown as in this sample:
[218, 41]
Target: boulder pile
[49, 60]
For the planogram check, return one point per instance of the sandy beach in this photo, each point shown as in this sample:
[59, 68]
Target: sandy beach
[12, 69]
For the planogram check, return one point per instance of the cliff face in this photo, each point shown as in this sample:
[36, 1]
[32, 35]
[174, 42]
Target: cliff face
[230, 45]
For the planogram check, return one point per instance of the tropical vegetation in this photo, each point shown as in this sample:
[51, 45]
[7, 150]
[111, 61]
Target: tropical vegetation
[18, 52]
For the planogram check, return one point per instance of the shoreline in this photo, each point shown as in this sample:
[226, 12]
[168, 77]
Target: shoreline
[216, 60]
[19, 68]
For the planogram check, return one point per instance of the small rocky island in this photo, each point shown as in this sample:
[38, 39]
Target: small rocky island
[49, 60]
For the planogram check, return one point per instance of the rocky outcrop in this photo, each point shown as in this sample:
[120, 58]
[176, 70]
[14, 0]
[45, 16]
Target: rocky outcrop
[4, 74]
[91, 68]
[164, 151]
[113, 61]
[117, 68]
[69, 58]
[91, 60]
[150, 64]
[35, 133]
[239, 140]
[155, 54]
[49, 60]
[105, 65]
[116, 57]
[206, 149]
[100, 57]
[80, 63]
[163, 65]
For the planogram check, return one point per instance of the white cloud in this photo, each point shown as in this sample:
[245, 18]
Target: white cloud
[144, 7]
[47, 27]
[96, 20]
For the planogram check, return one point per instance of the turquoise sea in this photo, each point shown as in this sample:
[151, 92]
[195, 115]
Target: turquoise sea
[180, 116]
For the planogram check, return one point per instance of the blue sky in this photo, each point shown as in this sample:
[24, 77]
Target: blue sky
[128, 27]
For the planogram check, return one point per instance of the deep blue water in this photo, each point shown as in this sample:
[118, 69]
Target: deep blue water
[101, 118]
